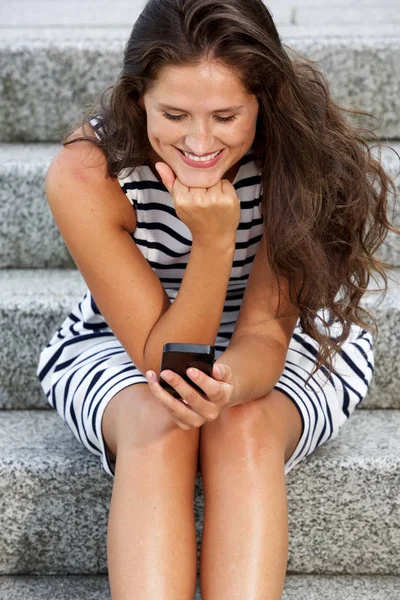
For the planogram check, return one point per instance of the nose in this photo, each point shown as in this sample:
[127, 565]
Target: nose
[200, 141]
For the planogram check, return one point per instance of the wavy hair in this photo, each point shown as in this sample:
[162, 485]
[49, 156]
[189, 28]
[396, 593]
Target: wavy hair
[325, 196]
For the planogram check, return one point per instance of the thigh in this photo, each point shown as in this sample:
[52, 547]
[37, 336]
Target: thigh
[134, 418]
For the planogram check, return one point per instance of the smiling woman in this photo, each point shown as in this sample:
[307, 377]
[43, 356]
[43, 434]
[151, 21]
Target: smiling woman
[225, 201]
[211, 146]
[317, 237]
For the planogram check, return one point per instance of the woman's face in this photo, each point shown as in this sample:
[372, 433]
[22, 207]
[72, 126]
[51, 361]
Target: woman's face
[187, 111]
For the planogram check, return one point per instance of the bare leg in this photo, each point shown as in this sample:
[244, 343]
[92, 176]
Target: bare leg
[151, 538]
[245, 535]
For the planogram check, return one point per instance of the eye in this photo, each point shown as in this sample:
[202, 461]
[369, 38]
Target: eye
[226, 119]
[172, 117]
[180, 117]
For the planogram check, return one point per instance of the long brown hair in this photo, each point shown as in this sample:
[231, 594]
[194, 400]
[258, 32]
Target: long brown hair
[325, 196]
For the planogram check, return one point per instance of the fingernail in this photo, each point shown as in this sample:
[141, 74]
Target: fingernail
[151, 376]
[219, 371]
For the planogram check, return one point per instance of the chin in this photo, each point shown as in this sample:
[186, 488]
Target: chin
[192, 178]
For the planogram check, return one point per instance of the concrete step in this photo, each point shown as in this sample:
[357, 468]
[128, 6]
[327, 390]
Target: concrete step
[66, 70]
[72, 587]
[29, 236]
[34, 303]
[55, 498]
[297, 587]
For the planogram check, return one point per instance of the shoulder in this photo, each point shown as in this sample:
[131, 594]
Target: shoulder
[84, 166]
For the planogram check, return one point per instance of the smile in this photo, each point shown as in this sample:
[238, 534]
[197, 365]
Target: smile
[200, 162]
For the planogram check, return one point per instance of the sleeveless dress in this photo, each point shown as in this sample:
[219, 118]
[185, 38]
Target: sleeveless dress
[84, 364]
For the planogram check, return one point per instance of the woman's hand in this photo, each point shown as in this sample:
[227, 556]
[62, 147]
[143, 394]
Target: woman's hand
[211, 214]
[219, 390]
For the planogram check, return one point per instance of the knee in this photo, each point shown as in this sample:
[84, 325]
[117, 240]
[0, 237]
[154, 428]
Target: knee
[243, 416]
[242, 435]
[269, 427]
[244, 424]
[136, 420]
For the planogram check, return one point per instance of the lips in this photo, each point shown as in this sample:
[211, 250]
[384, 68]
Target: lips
[200, 165]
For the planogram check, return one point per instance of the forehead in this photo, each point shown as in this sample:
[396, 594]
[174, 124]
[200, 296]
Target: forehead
[205, 78]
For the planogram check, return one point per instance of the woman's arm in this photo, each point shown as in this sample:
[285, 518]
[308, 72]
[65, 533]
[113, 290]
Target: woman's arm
[213, 216]
[259, 344]
[257, 362]
[95, 218]
[194, 317]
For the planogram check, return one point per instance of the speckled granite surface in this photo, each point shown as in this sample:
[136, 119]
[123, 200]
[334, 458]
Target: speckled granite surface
[344, 500]
[311, 587]
[316, 587]
[34, 303]
[29, 236]
[62, 76]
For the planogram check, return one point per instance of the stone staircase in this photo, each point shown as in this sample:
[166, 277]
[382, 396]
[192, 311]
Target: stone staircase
[344, 500]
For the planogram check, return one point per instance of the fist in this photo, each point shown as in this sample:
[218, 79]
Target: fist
[210, 214]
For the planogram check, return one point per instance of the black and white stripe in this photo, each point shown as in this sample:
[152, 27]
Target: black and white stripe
[84, 365]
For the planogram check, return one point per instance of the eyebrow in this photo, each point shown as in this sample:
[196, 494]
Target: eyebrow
[227, 109]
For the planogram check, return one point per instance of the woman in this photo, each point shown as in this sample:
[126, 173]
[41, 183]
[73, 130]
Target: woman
[217, 196]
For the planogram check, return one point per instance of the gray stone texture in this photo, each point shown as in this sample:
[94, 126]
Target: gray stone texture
[297, 587]
[34, 303]
[319, 587]
[29, 236]
[56, 58]
[344, 510]
[68, 587]
[61, 78]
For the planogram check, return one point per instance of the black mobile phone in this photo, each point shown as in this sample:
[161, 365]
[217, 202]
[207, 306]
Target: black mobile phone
[179, 357]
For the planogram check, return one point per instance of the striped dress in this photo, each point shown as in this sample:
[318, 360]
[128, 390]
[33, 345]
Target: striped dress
[84, 364]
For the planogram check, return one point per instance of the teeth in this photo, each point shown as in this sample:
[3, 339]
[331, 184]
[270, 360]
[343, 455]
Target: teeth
[203, 158]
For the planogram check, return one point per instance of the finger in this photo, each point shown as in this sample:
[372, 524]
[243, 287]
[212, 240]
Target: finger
[217, 371]
[174, 406]
[197, 403]
[170, 180]
[228, 188]
[222, 372]
[218, 393]
[212, 388]
[187, 393]
[167, 175]
[181, 413]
